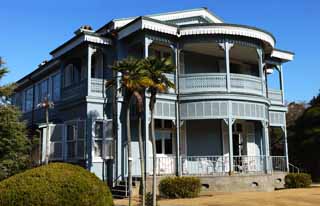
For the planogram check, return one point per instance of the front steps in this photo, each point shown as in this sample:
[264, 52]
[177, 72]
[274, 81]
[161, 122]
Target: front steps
[121, 189]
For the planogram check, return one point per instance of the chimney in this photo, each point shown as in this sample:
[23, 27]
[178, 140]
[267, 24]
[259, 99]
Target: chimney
[84, 28]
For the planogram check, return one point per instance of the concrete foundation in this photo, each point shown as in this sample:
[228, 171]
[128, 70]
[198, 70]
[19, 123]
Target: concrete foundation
[236, 183]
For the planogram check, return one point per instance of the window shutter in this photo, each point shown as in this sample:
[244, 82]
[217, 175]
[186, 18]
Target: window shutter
[56, 140]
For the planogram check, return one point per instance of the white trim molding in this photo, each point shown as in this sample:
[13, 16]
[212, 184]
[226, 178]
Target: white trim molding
[79, 40]
[284, 55]
[147, 24]
[237, 30]
[168, 16]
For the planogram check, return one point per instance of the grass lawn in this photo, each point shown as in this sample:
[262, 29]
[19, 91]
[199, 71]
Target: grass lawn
[288, 197]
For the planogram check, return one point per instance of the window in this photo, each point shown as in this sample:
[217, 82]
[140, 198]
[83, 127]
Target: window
[81, 139]
[164, 142]
[56, 87]
[44, 93]
[28, 99]
[71, 141]
[68, 75]
[97, 66]
[75, 140]
[98, 132]
[164, 136]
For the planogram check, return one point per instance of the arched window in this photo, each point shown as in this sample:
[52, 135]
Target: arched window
[97, 65]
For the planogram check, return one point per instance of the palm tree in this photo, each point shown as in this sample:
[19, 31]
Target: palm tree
[134, 80]
[160, 83]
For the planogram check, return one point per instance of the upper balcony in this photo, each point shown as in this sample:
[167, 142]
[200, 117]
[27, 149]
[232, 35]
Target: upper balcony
[217, 82]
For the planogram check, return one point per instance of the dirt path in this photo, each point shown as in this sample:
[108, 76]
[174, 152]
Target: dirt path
[292, 197]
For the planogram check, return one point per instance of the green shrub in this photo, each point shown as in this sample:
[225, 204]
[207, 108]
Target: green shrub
[180, 187]
[149, 197]
[298, 180]
[56, 184]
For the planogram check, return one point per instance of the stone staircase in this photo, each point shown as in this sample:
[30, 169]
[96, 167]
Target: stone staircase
[121, 189]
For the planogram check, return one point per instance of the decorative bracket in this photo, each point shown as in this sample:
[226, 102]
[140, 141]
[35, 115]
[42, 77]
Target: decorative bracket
[226, 45]
[226, 120]
[264, 123]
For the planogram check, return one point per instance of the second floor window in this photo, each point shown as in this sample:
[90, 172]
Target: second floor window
[44, 90]
[28, 99]
[56, 87]
[69, 74]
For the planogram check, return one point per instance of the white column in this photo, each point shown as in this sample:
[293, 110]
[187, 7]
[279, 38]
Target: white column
[120, 159]
[90, 53]
[265, 134]
[147, 147]
[286, 146]
[226, 46]
[177, 107]
[230, 123]
[261, 72]
[281, 83]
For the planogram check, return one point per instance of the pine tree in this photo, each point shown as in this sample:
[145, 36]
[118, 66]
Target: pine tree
[6, 90]
[14, 144]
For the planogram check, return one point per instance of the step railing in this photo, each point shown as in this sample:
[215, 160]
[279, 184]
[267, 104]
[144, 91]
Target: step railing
[293, 168]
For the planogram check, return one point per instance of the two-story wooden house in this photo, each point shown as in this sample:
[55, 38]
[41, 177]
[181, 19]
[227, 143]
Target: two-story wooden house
[214, 124]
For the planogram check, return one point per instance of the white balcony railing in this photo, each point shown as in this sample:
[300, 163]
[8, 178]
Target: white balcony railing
[217, 82]
[246, 84]
[275, 96]
[203, 82]
[97, 86]
[214, 165]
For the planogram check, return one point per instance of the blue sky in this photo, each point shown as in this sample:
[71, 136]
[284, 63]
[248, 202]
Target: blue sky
[31, 29]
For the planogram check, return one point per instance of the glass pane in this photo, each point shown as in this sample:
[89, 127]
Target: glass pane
[80, 149]
[70, 132]
[98, 130]
[81, 130]
[71, 149]
[168, 124]
[157, 123]
[159, 146]
[98, 148]
[168, 146]
[56, 87]
[108, 129]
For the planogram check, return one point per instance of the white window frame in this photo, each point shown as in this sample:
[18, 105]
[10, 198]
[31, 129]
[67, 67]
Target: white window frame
[165, 130]
[105, 141]
[76, 139]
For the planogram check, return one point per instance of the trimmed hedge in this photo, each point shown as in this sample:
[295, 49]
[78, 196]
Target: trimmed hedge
[298, 180]
[180, 187]
[56, 184]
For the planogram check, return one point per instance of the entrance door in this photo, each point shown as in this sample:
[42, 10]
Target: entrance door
[238, 146]
[165, 147]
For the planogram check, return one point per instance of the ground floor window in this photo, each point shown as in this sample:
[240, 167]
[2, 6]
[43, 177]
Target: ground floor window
[75, 139]
[98, 137]
[164, 136]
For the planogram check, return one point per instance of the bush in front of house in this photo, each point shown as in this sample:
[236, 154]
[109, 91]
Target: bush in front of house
[180, 187]
[56, 184]
[298, 180]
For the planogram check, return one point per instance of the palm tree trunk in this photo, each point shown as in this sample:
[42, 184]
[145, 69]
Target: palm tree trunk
[129, 149]
[141, 150]
[154, 152]
[143, 182]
